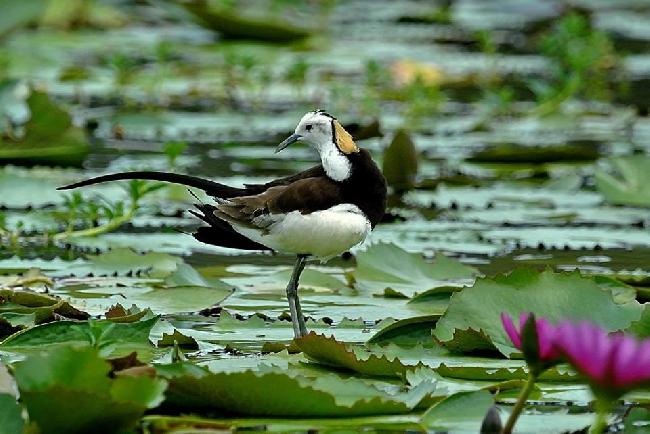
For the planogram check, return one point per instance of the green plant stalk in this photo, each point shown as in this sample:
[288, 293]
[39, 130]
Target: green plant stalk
[603, 407]
[520, 404]
[569, 89]
[98, 230]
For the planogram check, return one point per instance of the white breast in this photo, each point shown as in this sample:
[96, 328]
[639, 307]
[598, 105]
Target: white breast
[323, 234]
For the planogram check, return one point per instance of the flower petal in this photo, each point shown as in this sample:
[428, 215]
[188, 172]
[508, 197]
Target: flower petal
[626, 367]
[545, 337]
[585, 346]
[509, 327]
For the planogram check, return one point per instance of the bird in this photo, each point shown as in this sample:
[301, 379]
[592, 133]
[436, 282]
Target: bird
[316, 214]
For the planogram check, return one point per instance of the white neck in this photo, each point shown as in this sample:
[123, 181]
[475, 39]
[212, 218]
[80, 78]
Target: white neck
[336, 165]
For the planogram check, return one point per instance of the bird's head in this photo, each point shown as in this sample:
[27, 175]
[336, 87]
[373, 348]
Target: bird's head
[321, 131]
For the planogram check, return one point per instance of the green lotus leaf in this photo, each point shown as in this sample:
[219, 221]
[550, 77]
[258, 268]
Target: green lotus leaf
[472, 321]
[69, 390]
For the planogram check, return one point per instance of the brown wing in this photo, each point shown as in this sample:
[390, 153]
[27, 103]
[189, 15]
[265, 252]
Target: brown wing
[313, 172]
[261, 210]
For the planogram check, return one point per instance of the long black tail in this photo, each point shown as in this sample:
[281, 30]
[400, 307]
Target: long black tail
[219, 233]
[210, 187]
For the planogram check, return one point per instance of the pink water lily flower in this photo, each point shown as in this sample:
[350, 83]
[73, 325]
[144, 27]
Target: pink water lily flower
[545, 335]
[614, 363]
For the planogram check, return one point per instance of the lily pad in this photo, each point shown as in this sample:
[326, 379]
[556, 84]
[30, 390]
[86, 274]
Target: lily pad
[120, 262]
[27, 308]
[253, 332]
[276, 393]
[183, 424]
[463, 411]
[50, 137]
[11, 419]
[329, 351]
[400, 163]
[237, 26]
[407, 332]
[472, 321]
[631, 186]
[69, 390]
[385, 268]
[110, 338]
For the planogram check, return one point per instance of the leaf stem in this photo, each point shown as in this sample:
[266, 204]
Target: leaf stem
[603, 408]
[520, 404]
[98, 230]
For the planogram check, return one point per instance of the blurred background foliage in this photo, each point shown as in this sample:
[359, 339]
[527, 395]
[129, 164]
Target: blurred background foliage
[513, 134]
[457, 93]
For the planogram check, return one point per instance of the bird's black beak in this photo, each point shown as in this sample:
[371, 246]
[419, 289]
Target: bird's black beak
[289, 140]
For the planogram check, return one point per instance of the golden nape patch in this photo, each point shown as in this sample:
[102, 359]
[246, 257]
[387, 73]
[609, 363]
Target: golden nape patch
[343, 140]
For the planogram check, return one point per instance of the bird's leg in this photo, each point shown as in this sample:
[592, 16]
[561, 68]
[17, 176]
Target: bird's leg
[297, 320]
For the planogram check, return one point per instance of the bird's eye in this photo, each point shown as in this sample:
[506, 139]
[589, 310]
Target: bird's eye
[308, 127]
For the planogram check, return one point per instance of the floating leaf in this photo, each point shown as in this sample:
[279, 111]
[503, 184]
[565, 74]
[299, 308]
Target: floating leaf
[69, 390]
[18, 14]
[23, 309]
[637, 421]
[385, 267]
[178, 338]
[183, 424]
[49, 138]
[472, 321]
[275, 393]
[236, 26]
[329, 351]
[11, 419]
[253, 332]
[631, 187]
[117, 313]
[125, 261]
[111, 338]
[516, 153]
[458, 366]
[400, 162]
[408, 331]
[463, 411]
[641, 327]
